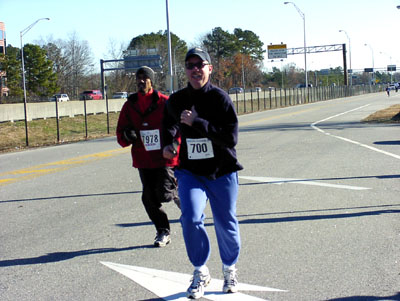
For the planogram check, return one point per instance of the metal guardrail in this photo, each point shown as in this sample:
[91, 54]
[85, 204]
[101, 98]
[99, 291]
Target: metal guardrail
[272, 98]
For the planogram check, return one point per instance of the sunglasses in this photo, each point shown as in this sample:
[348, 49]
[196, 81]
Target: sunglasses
[199, 65]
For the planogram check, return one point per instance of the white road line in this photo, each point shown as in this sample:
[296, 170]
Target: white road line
[349, 140]
[279, 181]
[173, 286]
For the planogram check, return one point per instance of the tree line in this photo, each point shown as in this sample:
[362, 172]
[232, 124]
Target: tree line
[55, 66]
[66, 66]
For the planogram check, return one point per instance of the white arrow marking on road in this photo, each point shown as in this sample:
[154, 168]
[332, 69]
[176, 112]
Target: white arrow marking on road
[300, 181]
[173, 286]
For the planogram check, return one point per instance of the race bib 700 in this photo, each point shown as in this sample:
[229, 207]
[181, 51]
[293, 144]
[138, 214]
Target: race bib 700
[199, 149]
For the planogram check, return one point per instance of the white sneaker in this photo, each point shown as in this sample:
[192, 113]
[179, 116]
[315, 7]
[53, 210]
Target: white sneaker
[230, 280]
[162, 238]
[199, 281]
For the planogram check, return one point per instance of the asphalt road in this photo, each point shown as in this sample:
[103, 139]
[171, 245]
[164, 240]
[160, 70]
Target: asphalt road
[319, 212]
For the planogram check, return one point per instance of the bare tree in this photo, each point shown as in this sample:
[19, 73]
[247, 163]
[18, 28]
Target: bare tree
[79, 60]
[118, 80]
[72, 61]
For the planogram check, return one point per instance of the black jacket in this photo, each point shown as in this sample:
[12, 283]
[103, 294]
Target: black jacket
[217, 121]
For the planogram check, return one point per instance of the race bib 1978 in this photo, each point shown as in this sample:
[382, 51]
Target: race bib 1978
[151, 139]
[199, 149]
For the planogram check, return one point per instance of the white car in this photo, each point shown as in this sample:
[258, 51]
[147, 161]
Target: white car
[59, 97]
[120, 95]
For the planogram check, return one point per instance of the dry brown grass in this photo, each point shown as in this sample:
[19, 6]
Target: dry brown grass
[388, 115]
[43, 132]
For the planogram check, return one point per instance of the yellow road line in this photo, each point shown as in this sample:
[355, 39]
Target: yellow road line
[52, 167]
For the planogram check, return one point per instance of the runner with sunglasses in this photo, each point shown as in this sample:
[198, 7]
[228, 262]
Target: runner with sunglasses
[205, 118]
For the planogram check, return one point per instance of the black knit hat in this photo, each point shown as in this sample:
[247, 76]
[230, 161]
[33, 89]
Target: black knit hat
[146, 71]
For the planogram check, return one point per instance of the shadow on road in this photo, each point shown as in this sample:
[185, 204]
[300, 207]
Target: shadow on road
[367, 298]
[394, 142]
[140, 224]
[70, 196]
[383, 209]
[315, 217]
[61, 256]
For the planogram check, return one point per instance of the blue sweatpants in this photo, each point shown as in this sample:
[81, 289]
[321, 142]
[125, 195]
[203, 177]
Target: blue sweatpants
[222, 193]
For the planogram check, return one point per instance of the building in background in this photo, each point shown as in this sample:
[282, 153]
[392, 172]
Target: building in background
[3, 43]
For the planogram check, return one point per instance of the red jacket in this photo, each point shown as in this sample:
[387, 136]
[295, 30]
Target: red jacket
[147, 150]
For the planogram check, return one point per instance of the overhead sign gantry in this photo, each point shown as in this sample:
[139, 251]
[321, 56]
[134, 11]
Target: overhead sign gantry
[281, 51]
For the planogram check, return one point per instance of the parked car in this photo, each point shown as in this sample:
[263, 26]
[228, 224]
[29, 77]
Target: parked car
[120, 95]
[235, 90]
[59, 97]
[303, 86]
[256, 89]
[91, 94]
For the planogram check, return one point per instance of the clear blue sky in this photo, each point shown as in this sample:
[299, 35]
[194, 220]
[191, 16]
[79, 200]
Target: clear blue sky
[99, 22]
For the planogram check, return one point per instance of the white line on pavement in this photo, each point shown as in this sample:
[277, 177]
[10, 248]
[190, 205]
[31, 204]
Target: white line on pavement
[270, 180]
[313, 125]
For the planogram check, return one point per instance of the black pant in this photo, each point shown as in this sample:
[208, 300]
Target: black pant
[159, 186]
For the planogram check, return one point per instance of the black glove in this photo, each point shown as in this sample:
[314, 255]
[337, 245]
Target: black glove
[130, 135]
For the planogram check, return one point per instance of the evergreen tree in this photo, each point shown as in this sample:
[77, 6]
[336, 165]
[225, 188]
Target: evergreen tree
[238, 55]
[41, 80]
[159, 42]
[249, 43]
[221, 46]
[13, 70]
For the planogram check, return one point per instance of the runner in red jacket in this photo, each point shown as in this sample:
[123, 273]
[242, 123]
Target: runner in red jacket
[139, 125]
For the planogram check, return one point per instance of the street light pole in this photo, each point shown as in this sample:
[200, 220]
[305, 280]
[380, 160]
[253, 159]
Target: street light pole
[304, 32]
[22, 32]
[373, 65]
[169, 50]
[390, 63]
[351, 74]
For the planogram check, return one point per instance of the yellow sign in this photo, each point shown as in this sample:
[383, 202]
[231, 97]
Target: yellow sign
[278, 46]
[278, 51]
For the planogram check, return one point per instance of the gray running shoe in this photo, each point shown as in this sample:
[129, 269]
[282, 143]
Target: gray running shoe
[162, 238]
[199, 282]
[230, 281]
